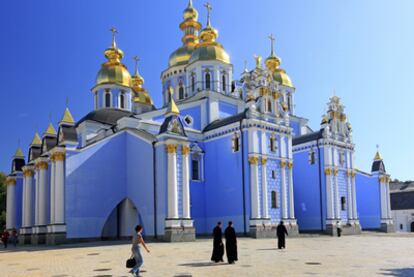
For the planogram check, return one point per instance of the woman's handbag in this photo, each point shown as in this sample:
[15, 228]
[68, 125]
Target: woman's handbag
[130, 263]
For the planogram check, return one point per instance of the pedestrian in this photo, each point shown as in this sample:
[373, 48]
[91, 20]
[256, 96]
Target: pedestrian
[281, 231]
[338, 228]
[137, 240]
[218, 247]
[5, 237]
[14, 237]
[231, 243]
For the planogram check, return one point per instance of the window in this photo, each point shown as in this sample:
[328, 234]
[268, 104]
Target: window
[122, 101]
[341, 157]
[401, 226]
[181, 91]
[188, 120]
[273, 174]
[223, 82]
[343, 203]
[192, 82]
[195, 167]
[269, 106]
[272, 144]
[208, 81]
[107, 99]
[311, 156]
[275, 205]
[289, 101]
[236, 143]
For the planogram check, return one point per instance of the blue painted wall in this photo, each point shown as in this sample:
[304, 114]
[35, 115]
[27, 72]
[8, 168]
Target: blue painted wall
[195, 113]
[226, 109]
[368, 201]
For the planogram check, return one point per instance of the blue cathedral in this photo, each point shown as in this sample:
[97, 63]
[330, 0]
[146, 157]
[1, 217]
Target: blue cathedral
[220, 148]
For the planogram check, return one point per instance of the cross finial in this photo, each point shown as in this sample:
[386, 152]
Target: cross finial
[377, 147]
[114, 32]
[245, 66]
[50, 116]
[208, 7]
[136, 59]
[67, 101]
[272, 41]
[190, 3]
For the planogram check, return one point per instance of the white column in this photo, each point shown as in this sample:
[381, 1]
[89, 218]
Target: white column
[329, 198]
[336, 186]
[384, 213]
[172, 181]
[254, 195]
[354, 205]
[283, 189]
[27, 197]
[387, 189]
[36, 198]
[11, 203]
[186, 182]
[265, 206]
[43, 193]
[350, 198]
[52, 190]
[59, 193]
[291, 199]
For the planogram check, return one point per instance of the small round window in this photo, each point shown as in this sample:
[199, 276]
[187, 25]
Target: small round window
[188, 120]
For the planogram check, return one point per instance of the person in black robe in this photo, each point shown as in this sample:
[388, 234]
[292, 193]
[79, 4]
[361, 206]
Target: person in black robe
[338, 228]
[231, 243]
[281, 231]
[218, 247]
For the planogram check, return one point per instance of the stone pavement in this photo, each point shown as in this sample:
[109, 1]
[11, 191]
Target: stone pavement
[369, 254]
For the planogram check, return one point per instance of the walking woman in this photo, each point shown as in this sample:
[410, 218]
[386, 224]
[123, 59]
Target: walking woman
[137, 240]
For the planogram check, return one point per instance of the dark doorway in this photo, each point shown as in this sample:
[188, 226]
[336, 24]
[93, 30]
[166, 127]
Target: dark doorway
[121, 222]
[412, 226]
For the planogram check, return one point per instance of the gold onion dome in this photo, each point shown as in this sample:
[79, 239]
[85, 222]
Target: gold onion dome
[208, 49]
[273, 64]
[190, 26]
[140, 93]
[113, 71]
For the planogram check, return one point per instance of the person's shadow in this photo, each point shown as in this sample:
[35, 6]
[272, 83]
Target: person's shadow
[202, 264]
[399, 272]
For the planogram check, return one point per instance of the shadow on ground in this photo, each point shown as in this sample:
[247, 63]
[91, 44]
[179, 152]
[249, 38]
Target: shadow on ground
[202, 264]
[399, 272]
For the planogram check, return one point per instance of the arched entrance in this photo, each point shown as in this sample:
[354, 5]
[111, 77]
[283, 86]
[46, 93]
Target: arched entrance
[122, 221]
[412, 226]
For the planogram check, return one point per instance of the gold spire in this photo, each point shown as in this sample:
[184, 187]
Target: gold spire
[377, 155]
[172, 107]
[273, 61]
[209, 34]
[50, 130]
[67, 118]
[36, 140]
[19, 152]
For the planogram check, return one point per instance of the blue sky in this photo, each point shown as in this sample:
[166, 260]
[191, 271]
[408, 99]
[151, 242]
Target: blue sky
[52, 50]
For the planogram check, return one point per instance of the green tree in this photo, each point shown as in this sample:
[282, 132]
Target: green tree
[2, 200]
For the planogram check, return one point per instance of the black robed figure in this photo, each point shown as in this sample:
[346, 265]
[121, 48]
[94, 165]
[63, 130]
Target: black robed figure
[218, 247]
[281, 231]
[231, 243]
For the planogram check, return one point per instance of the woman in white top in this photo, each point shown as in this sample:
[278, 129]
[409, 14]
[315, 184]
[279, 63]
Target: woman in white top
[137, 240]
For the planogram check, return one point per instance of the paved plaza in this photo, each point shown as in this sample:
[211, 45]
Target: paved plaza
[369, 254]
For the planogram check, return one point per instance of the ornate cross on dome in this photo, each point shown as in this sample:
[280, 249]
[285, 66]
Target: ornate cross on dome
[114, 32]
[208, 7]
[272, 41]
[136, 59]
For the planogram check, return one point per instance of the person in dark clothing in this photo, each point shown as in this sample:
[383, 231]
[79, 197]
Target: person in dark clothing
[281, 231]
[218, 247]
[5, 237]
[338, 228]
[231, 243]
[13, 238]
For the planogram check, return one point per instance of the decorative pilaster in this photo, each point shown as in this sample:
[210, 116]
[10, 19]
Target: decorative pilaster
[350, 196]
[172, 212]
[186, 182]
[43, 192]
[59, 191]
[283, 189]
[337, 199]
[52, 189]
[384, 212]
[11, 202]
[254, 190]
[265, 208]
[387, 224]
[291, 198]
[387, 186]
[28, 205]
[329, 198]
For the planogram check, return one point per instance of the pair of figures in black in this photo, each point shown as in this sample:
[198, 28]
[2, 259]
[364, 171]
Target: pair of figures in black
[218, 246]
[281, 232]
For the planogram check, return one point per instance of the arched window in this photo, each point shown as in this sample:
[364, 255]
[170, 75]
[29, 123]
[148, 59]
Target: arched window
[208, 81]
[269, 106]
[122, 100]
[274, 200]
[181, 91]
[107, 99]
[289, 100]
[343, 203]
[223, 82]
[272, 142]
[192, 82]
[236, 143]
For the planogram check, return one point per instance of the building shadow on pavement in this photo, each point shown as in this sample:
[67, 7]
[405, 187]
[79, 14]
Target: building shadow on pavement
[399, 272]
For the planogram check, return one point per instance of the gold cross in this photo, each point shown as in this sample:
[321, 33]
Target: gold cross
[114, 32]
[208, 7]
[272, 41]
[136, 59]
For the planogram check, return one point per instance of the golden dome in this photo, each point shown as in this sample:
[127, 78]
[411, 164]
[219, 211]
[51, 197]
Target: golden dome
[181, 56]
[273, 62]
[280, 76]
[137, 81]
[113, 71]
[190, 12]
